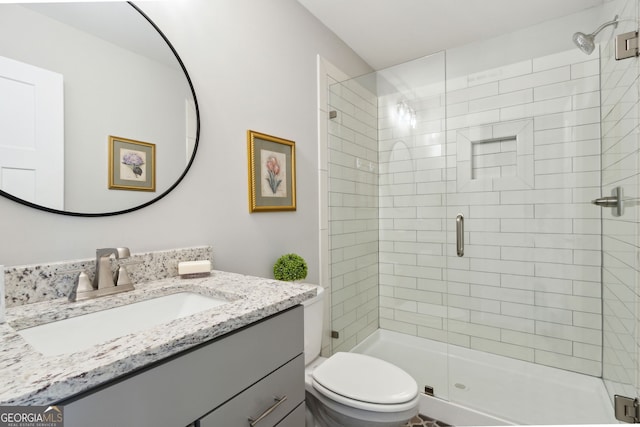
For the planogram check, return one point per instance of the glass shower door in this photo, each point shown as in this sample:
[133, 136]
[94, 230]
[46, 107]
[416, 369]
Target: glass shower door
[620, 231]
[524, 301]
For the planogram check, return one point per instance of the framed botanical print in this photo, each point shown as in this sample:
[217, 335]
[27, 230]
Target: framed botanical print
[272, 173]
[132, 164]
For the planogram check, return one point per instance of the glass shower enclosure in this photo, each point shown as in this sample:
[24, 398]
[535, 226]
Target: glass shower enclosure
[463, 242]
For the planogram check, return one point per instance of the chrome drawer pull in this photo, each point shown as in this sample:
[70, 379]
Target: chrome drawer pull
[279, 401]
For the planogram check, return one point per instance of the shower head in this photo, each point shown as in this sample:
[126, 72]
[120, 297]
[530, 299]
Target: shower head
[586, 42]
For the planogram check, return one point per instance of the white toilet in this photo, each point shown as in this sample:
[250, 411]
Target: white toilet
[351, 389]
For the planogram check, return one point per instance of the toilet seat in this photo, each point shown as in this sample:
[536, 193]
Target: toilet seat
[365, 382]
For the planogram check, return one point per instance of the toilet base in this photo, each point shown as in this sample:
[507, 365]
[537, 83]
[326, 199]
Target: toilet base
[322, 413]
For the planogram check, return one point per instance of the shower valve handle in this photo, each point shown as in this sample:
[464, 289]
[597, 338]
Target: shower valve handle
[606, 202]
[615, 201]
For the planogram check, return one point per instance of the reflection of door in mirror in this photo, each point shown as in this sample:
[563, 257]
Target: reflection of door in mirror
[32, 136]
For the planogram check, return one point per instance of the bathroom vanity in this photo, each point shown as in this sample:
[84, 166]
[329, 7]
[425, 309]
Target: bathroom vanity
[235, 364]
[253, 370]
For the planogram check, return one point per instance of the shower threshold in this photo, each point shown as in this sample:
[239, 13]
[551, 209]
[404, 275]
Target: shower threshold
[477, 388]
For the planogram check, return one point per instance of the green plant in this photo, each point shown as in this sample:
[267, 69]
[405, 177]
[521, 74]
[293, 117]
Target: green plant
[290, 267]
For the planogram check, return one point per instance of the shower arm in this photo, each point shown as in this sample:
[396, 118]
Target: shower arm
[614, 22]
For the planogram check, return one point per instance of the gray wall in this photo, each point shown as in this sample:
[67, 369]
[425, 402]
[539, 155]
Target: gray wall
[253, 66]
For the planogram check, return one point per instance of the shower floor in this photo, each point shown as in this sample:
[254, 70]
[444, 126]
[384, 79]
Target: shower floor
[477, 388]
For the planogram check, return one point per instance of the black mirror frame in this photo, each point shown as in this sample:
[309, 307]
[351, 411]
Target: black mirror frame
[174, 185]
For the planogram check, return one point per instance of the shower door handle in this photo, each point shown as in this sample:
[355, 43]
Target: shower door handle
[460, 235]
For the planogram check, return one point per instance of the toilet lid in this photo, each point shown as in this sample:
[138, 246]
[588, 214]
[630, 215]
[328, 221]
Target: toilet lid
[366, 379]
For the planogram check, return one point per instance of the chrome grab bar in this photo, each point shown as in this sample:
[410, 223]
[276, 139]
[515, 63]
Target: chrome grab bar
[460, 235]
[279, 401]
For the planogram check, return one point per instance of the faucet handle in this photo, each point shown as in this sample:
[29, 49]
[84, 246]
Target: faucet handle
[81, 284]
[122, 276]
[84, 283]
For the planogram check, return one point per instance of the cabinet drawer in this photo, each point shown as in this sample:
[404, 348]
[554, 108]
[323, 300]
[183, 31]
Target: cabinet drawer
[287, 384]
[295, 419]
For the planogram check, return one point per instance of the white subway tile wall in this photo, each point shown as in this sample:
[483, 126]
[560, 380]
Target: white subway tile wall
[353, 213]
[620, 165]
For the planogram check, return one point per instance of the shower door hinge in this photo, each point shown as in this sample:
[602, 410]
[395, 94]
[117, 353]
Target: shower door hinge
[627, 45]
[626, 409]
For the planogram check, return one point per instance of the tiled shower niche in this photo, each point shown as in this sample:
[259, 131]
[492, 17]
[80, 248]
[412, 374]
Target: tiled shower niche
[494, 158]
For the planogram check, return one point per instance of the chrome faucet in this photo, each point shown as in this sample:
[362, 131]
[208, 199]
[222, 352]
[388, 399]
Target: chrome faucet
[104, 282]
[104, 277]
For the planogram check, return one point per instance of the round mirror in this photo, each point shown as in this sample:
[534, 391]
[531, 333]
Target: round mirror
[97, 111]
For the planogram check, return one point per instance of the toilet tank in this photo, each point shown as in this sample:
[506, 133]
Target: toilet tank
[313, 312]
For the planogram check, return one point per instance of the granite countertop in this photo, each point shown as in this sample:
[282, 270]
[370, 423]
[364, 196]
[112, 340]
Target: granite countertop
[30, 378]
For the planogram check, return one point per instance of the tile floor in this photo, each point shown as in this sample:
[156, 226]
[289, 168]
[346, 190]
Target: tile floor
[424, 421]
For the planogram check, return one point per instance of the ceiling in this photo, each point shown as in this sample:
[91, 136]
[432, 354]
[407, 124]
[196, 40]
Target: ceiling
[389, 32]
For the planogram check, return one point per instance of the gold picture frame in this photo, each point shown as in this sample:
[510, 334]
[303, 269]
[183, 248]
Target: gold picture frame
[272, 173]
[132, 164]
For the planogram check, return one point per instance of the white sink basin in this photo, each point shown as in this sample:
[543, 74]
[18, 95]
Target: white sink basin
[81, 332]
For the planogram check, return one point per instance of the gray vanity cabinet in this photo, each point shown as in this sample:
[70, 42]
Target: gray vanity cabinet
[223, 383]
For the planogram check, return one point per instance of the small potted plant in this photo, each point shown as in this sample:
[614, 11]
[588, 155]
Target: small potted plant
[290, 267]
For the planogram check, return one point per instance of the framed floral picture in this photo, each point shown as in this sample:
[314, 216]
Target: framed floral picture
[132, 165]
[272, 173]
